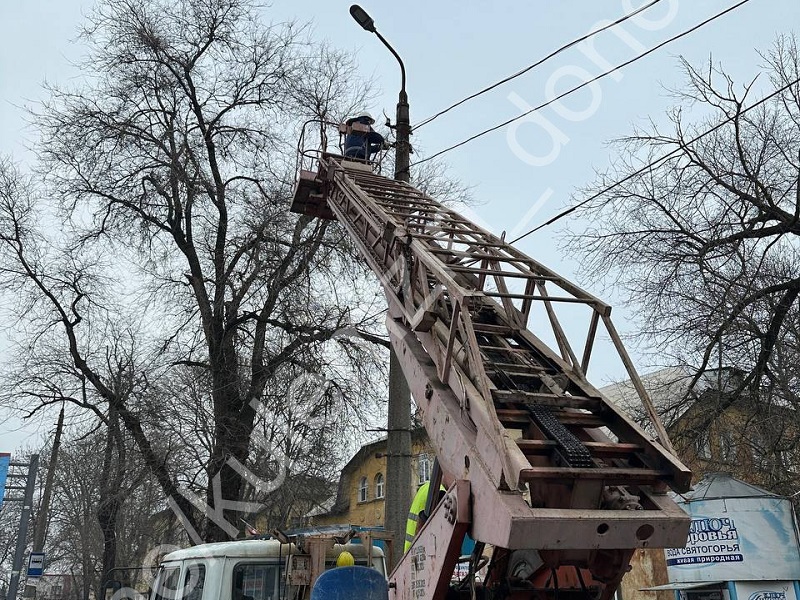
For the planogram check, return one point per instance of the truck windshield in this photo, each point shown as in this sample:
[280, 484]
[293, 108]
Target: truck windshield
[255, 581]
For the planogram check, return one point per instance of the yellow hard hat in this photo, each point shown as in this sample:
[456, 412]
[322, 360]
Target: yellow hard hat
[345, 560]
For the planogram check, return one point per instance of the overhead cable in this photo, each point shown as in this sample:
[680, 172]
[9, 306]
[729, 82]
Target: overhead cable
[537, 63]
[582, 85]
[654, 163]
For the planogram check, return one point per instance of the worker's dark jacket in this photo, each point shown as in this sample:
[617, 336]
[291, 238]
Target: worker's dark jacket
[362, 145]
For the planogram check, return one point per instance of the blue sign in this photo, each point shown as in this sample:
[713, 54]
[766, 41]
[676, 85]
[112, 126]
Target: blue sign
[36, 564]
[5, 458]
[765, 590]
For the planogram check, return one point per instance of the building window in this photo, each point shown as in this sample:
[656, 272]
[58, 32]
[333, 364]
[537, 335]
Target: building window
[362, 490]
[727, 446]
[703, 446]
[379, 485]
[423, 468]
[256, 581]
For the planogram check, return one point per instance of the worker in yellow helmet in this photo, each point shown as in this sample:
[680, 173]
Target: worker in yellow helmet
[345, 559]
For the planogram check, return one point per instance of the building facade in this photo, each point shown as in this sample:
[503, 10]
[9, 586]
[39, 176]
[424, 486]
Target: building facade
[713, 430]
[361, 494]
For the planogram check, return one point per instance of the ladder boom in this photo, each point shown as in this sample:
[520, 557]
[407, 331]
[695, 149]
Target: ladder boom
[503, 409]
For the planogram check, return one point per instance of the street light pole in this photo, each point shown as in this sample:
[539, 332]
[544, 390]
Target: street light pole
[402, 152]
[398, 460]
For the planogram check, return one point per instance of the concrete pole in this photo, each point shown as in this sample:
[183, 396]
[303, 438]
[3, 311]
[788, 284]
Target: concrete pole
[402, 155]
[40, 528]
[399, 492]
[22, 536]
[398, 461]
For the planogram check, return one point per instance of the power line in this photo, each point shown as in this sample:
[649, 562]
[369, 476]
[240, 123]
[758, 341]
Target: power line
[582, 85]
[654, 163]
[537, 63]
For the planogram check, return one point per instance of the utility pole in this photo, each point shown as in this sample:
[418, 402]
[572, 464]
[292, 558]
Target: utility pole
[398, 460]
[25, 517]
[40, 528]
[398, 463]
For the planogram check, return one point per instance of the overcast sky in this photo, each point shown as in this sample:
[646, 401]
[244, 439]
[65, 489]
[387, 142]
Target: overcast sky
[451, 49]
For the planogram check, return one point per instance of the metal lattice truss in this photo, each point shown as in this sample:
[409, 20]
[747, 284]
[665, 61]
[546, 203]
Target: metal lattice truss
[539, 444]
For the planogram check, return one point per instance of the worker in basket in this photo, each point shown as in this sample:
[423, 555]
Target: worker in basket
[362, 142]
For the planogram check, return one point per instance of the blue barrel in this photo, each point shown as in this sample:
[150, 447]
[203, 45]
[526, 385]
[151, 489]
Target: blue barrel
[350, 583]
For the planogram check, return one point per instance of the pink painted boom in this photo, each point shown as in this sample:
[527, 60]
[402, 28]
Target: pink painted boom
[516, 419]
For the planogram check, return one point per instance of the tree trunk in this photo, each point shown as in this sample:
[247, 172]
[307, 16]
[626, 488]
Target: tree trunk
[234, 427]
[111, 497]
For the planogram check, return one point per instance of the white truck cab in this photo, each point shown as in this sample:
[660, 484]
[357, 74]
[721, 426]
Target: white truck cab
[250, 570]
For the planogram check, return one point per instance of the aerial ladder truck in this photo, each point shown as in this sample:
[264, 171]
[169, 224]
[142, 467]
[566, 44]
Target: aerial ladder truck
[542, 468]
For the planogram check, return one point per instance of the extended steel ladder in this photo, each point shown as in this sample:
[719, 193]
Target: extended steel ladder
[553, 465]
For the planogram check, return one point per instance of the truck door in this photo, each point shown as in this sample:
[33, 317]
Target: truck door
[167, 582]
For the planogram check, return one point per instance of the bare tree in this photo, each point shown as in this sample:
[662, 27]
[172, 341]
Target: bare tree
[106, 514]
[172, 165]
[700, 226]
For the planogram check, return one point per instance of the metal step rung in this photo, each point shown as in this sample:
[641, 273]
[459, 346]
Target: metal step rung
[609, 475]
[500, 273]
[576, 419]
[542, 399]
[501, 330]
[586, 420]
[530, 374]
[537, 297]
[506, 366]
[513, 416]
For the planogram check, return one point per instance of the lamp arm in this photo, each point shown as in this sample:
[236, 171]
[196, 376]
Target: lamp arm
[399, 60]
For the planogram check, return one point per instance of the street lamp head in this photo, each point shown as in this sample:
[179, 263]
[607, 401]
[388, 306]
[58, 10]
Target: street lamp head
[362, 18]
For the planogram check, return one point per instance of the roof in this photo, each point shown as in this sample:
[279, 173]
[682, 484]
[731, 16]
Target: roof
[416, 434]
[342, 502]
[715, 486]
[322, 508]
[255, 549]
[667, 389]
[233, 549]
[682, 585]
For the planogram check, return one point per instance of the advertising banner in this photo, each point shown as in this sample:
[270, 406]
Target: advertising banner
[5, 458]
[766, 590]
[728, 538]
